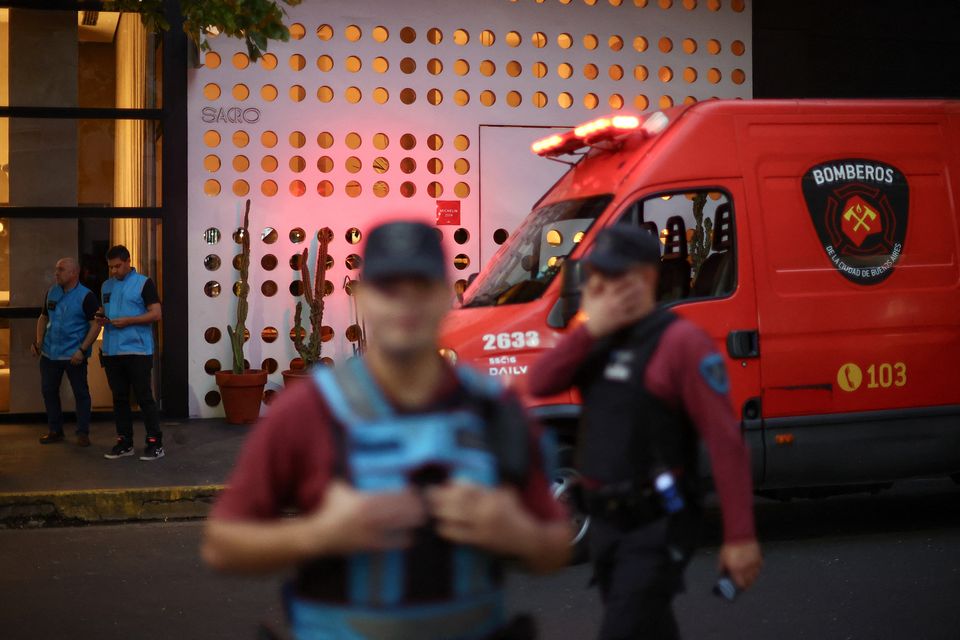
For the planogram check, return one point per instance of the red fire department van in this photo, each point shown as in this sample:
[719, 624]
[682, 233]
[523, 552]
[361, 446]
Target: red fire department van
[815, 241]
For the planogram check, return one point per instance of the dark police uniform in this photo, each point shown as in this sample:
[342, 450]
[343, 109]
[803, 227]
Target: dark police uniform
[649, 391]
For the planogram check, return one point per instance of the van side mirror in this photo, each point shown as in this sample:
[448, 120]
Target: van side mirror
[572, 276]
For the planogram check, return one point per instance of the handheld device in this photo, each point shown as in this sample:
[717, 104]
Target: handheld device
[726, 588]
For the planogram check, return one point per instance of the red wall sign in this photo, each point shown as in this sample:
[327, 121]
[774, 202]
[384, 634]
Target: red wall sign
[448, 212]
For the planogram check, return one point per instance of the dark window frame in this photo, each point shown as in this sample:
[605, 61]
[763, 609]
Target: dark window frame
[172, 120]
[637, 199]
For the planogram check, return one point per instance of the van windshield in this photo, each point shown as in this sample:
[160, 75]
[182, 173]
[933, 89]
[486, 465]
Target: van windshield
[533, 255]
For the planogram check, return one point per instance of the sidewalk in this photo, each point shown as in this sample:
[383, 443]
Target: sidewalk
[65, 484]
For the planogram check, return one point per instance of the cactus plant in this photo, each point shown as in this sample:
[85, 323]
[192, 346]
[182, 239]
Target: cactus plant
[241, 388]
[702, 235]
[310, 346]
[238, 332]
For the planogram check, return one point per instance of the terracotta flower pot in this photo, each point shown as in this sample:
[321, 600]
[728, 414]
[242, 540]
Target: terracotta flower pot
[241, 394]
[294, 376]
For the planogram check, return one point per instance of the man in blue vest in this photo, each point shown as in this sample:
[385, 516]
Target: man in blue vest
[414, 480]
[131, 305]
[66, 329]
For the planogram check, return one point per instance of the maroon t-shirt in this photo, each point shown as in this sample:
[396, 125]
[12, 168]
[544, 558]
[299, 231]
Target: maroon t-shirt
[674, 376]
[289, 457]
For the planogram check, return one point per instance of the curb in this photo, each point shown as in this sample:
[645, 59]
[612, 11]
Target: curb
[90, 506]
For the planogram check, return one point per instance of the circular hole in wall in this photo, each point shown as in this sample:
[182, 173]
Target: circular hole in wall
[212, 398]
[268, 262]
[268, 61]
[212, 289]
[211, 262]
[211, 235]
[212, 335]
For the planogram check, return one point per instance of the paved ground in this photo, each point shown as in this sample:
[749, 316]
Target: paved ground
[199, 452]
[856, 567]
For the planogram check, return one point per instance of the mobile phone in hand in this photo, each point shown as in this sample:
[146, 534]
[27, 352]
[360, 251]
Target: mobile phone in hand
[726, 588]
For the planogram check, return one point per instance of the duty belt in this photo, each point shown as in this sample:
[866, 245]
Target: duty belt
[626, 507]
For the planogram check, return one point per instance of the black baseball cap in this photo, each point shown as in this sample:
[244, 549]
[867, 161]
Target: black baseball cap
[403, 250]
[622, 246]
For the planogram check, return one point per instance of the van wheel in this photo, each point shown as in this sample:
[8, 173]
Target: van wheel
[564, 481]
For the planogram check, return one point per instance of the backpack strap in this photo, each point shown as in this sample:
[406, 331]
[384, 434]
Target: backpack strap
[351, 393]
[507, 426]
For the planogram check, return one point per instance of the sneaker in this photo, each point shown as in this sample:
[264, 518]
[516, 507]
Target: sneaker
[51, 437]
[120, 450]
[83, 440]
[154, 451]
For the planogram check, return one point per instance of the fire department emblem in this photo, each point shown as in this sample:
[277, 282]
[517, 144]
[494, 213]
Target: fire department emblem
[859, 209]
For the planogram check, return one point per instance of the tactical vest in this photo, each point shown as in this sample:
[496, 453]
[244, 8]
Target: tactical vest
[627, 434]
[434, 589]
[67, 325]
[122, 299]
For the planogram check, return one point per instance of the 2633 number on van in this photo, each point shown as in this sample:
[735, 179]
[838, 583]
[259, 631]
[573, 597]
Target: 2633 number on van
[514, 340]
[884, 375]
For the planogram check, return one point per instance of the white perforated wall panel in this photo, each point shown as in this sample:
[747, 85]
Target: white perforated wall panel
[374, 109]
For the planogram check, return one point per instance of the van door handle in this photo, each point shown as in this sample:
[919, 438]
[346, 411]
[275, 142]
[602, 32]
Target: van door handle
[743, 344]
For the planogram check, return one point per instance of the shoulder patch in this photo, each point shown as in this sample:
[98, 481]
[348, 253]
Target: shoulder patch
[714, 372]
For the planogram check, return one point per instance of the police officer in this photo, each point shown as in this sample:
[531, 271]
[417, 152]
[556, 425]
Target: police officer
[651, 384]
[413, 479]
[131, 305]
[66, 331]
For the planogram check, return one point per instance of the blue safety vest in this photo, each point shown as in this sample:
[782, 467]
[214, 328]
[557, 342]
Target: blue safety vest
[67, 325]
[123, 299]
[383, 449]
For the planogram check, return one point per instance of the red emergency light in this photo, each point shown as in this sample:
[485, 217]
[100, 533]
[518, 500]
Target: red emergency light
[606, 128]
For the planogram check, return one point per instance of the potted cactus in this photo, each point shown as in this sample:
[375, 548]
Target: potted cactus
[309, 346]
[241, 388]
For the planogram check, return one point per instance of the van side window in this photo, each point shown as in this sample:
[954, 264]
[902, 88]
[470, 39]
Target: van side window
[696, 234]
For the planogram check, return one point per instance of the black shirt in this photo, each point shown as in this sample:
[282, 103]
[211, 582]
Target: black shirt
[149, 293]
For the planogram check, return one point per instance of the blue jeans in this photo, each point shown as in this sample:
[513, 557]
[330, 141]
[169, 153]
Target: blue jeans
[51, 373]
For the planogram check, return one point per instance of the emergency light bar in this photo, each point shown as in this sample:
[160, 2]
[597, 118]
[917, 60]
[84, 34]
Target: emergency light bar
[599, 130]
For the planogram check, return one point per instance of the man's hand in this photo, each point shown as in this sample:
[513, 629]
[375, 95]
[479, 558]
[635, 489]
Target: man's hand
[493, 519]
[352, 520]
[119, 323]
[612, 304]
[742, 561]
[77, 358]
[35, 350]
